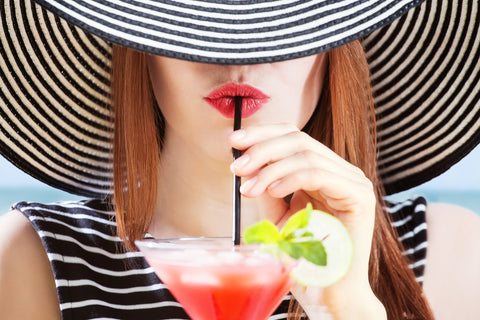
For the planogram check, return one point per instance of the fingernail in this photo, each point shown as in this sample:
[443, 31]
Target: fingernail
[237, 135]
[240, 162]
[274, 184]
[248, 185]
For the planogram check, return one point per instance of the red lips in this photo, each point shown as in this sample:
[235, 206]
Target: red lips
[222, 99]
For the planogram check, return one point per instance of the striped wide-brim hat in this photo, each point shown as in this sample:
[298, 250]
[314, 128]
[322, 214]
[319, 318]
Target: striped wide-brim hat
[55, 120]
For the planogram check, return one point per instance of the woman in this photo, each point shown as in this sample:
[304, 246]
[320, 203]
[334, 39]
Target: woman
[164, 106]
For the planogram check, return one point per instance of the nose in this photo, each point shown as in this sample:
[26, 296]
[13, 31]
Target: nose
[243, 73]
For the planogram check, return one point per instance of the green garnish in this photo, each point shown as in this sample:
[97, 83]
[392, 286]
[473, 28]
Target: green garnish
[293, 238]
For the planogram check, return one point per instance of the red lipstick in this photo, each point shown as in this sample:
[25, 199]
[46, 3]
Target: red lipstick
[223, 99]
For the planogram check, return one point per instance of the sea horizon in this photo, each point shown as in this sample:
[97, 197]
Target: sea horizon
[467, 198]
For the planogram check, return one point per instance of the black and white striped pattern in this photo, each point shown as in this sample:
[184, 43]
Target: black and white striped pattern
[426, 75]
[97, 280]
[408, 218]
[55, 122]
[230, 32]
[54, 114]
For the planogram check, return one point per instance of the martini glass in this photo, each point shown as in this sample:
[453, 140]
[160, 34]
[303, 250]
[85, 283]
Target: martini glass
[214, 280]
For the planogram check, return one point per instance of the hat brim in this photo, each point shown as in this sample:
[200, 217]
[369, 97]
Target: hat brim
[55, 118]
[230, 32]
[426, 78]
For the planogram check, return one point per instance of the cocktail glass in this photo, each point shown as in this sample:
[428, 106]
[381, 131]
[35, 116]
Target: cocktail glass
[214, 280]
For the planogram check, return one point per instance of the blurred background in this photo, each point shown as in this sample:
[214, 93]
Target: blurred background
[459, 185]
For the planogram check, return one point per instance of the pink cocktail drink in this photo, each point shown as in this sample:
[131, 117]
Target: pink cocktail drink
[212, 280]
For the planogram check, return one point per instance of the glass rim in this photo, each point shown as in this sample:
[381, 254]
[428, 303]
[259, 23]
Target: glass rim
[203, 243]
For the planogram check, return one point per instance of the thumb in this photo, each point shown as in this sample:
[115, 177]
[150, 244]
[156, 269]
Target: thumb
[272, 209]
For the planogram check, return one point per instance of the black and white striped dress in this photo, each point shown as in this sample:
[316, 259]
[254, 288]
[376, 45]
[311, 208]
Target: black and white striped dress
[95, 279]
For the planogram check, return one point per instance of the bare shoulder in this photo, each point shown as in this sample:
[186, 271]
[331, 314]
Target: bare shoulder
[452, 273]
[27, 287]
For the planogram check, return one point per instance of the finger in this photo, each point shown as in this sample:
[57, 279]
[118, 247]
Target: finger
[340, 193]
[307, 159]
[252, 135]
[246, 137]
[280, 147]
[297, 202]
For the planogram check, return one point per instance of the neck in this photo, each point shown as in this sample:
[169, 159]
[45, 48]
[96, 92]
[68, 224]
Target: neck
[195, 195]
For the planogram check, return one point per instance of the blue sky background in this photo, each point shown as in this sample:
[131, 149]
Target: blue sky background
[460, 184]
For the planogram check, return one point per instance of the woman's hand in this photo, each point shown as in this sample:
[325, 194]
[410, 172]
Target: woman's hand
[279, 160]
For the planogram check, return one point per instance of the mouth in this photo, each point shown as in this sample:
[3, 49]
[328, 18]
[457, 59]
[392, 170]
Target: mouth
[223, 99]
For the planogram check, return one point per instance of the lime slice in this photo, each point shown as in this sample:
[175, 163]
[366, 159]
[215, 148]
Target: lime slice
[339, 249]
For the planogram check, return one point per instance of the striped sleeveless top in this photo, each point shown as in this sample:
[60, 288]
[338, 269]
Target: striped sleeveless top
[97, 279]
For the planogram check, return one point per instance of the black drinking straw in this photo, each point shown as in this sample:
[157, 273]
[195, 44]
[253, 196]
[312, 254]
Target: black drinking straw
[237, 121]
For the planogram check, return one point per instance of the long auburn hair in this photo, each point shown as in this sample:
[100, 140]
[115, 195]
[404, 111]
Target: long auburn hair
[344, 121]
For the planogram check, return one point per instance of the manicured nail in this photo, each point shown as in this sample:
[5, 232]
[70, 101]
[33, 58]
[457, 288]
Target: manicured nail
[274, 184]
[248, 185]
[237, 135]
[240, 162]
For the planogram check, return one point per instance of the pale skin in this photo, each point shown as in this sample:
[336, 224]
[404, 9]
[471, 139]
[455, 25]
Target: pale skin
[278, 159]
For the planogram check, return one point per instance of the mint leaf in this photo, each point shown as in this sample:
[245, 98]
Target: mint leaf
[262, 232]
[294, 239]
[293, 249]
[297, 221]
[302, 233]
[314, 251]
[311, 250]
